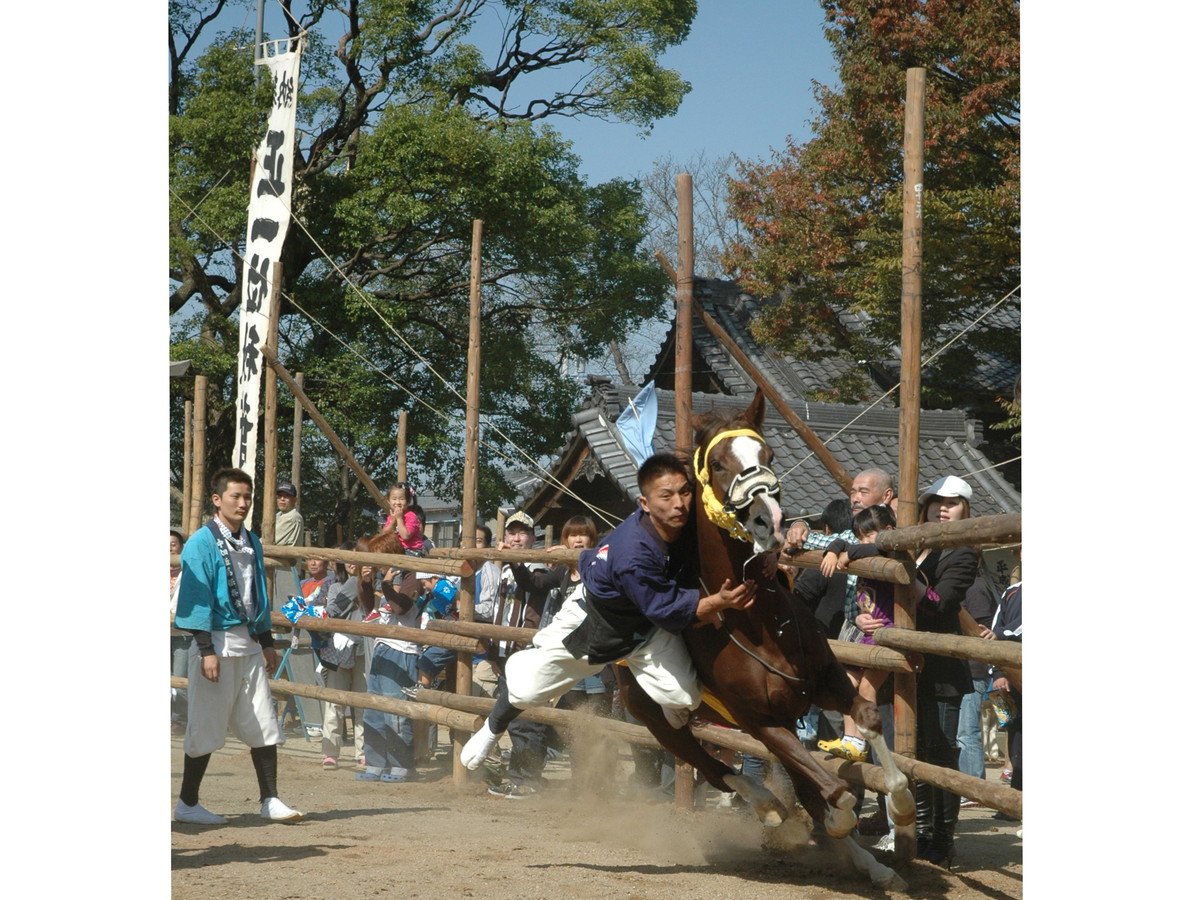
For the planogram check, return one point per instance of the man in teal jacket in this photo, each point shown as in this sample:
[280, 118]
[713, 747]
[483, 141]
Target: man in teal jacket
[223, 602]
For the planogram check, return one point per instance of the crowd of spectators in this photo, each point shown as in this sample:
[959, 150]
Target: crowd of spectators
[955, 593]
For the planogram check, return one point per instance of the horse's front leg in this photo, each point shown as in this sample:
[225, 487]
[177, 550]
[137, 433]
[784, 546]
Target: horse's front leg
[901, 808]
[824, 797]
[682, 743]
[836, 692]
[828, 800]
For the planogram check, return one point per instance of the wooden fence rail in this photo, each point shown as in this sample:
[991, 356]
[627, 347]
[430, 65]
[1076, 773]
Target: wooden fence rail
[466, 714]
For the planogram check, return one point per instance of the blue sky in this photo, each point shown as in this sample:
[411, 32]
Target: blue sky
[751, 65]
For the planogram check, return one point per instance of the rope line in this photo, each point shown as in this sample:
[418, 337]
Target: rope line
[516, 463]
[896, 387]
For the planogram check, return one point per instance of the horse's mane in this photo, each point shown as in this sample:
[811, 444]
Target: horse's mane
[384, 542]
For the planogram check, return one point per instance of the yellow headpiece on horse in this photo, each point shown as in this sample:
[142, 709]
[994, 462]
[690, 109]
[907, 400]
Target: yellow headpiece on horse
[721, 514]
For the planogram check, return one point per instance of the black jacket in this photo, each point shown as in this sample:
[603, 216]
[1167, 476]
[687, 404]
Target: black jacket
[949, 573]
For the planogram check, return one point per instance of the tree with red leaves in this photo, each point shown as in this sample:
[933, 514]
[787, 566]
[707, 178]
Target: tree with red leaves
[823, 219]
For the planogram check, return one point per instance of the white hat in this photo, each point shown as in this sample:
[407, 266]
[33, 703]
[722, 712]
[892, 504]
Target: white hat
[426, 575]
[950, 486]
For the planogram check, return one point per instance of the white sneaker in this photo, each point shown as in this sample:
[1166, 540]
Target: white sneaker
[479, 747]
[677, 716]
[197, 815]
[277, 811]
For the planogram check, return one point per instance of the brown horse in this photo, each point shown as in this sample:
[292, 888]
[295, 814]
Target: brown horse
[765, 664]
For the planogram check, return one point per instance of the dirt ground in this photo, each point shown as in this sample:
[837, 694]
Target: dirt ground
[432, 839]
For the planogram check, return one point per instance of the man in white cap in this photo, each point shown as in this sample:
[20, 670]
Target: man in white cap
[518, 608]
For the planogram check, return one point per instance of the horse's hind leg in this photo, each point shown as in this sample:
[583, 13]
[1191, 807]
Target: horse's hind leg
[682, 743]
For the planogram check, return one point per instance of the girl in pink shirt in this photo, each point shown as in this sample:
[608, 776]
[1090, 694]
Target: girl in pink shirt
[401, 519]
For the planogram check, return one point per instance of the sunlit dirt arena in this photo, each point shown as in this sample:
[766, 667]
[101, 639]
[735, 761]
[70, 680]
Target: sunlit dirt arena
[433, 839]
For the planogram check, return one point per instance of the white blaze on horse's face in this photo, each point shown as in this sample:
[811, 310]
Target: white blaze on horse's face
[765, 519]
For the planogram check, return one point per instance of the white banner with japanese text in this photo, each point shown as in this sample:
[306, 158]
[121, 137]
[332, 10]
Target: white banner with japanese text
[266, 227]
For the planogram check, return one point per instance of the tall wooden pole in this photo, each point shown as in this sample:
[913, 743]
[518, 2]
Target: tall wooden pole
[266, 490]
[905, 704]
[910, 297]
[297, 425]
[185, 514]
[200, 407]
[470, 506]
[684, 285]
[810, 438]
[402, 447]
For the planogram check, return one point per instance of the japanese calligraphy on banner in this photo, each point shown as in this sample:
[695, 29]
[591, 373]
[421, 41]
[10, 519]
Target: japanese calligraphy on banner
[269, 212]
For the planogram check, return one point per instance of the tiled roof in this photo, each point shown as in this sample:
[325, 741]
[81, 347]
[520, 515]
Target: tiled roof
[858, 437]
[796, 379]
[734, 310]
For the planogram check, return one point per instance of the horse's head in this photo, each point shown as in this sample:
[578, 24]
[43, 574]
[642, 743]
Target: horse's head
[739, 491]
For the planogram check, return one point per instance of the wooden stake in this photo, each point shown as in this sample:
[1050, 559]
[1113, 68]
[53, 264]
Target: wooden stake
[342, 450]
[185, 514]
[684, 284]
[200, 407]
[470, 504]
[910, 297]
[905, 704]
[466, 601]
[297, 426]
[402, 447]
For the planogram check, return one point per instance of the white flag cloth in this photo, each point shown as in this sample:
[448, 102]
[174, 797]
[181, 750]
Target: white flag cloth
[266, 226]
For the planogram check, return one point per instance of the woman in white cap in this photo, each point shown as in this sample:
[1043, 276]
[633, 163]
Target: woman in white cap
[945, 680]
[945, 575]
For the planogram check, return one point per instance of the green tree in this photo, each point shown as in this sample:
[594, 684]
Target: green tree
[823, 218]
[415, 118]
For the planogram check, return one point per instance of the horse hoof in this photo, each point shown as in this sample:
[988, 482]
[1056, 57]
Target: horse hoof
[840, 820]
[891, 882]
[770, 811]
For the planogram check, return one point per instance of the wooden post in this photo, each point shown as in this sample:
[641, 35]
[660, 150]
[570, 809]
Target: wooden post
[270, 412]
[466, 601]
[910, 297]
[344, 472]
[297, 425]
[810, 438]
[185, 513]
[905, 693]
[684, 284]
[402, 447]
[200, 408]
[342, 450]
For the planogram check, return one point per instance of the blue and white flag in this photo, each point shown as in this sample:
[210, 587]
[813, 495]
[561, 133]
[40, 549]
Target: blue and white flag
[637, 422]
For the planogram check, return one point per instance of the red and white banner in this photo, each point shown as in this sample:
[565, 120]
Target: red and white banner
[269, 213]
